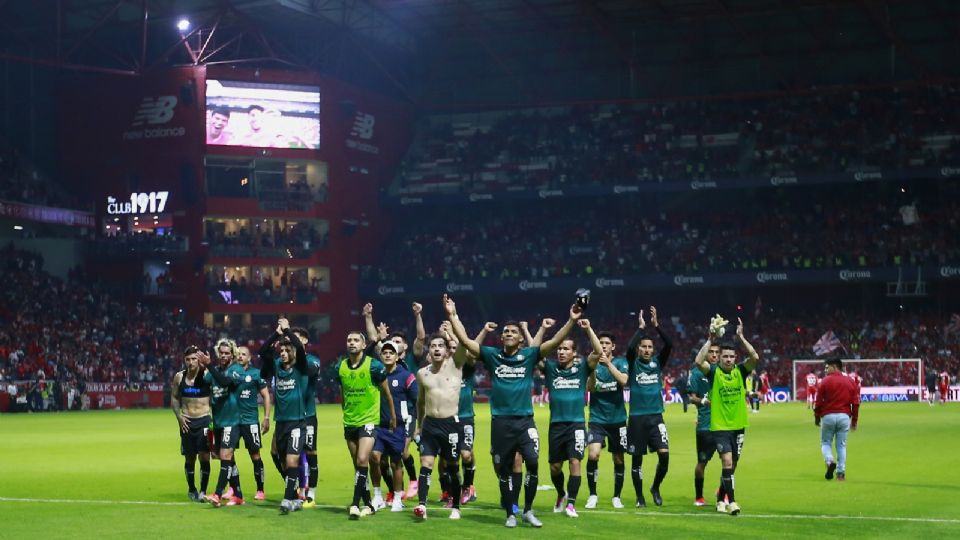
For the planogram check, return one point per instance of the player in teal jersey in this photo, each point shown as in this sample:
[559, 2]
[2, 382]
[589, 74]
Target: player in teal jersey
[252, 429]
[645, 428]
[310, 420]
[512, 428]
[226, 420]
[608, 414]
[728, 408]
[289, 366]
[567, 380]
[412, 360]
[363, 382]
[698, 388]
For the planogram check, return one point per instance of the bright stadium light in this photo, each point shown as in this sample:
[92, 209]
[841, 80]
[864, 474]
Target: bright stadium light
[183, 25]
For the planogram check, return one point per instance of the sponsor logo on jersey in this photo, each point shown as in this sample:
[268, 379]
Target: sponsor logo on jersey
[504, 371]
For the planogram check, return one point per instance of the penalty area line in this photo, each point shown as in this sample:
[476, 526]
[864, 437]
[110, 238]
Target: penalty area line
[584, 512]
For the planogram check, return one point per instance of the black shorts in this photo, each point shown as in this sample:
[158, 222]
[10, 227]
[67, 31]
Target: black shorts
[226, 437]
[729, 441]
[646, 432]
[616, 433]
[250, 433]
[568, 440]
[194, 441]
[310, 424]
[440, 437]
[466, 434]
[512, 434]
[355, 433]
[705, 446]
[290, 438]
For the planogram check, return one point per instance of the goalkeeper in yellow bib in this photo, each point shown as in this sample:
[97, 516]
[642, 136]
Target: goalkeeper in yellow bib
[728, 406]
[363, 381]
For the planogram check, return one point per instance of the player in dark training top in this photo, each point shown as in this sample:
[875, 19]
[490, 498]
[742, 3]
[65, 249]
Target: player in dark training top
[310, 420]
[224, 391]
[646, 428]
[289, 366]
[698, 388]
[512, 429]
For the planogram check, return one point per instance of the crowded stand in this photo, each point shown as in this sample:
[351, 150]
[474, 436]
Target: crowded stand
[53, 354]
[823, 132]
[295, 241]
[839, 227]
[21, 181]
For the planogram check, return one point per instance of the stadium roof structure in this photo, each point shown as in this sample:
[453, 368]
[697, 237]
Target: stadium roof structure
[458, 54]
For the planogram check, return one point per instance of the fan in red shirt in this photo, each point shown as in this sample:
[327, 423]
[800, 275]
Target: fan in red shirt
[765, 388]
[811, 389]
[837, 412]
[944, 380]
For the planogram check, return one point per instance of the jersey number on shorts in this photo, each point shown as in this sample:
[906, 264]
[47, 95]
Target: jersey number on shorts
[295, 437]
[623, 437]
[535, 437]
[579, 441]
[739, 443]
[663, 432]
[310, 436]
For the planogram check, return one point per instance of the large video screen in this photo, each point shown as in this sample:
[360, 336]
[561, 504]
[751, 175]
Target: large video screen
[263, 115]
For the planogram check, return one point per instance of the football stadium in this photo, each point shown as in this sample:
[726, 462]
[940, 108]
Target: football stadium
[353, 268]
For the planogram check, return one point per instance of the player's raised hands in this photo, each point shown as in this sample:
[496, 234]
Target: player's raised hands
[653, 317]
[203, 357]
[492, 326]
[576, 312]
[283, 324]
[417, 308]
[584, 323]
[449, 306]
[739, 328]
[367, 310]
[548, 323]
[383, 331]
[643, 323]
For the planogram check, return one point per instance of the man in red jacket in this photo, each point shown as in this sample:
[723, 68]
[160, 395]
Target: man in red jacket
[836, 412]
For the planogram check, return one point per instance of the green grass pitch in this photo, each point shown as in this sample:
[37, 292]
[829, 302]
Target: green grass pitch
[118, 474]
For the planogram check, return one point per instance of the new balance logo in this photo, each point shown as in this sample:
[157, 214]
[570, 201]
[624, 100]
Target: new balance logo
[363, 126]
[157, 110]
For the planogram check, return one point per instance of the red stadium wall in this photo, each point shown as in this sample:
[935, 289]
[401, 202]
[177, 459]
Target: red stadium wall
[108, 154]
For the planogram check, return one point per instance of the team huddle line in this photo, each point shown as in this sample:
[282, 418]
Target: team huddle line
[389, 400]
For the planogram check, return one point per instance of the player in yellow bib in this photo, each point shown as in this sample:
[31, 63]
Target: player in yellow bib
[363, 380]
[728, 407]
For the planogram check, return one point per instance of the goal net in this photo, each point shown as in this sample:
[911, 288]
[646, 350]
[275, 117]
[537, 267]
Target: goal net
[882, 379]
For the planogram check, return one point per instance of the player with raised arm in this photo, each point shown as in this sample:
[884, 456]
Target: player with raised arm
[728, 407]
[224, 393]
[646, 429]
[699, 391]
[190, 401]
[389, 443]
[252, 428]
[512, 429]
[438, 425]
[411, 360]
[289, 366]
[608, 414]
[310, 420]
[363, 382]
[567, 381]
[468, 492]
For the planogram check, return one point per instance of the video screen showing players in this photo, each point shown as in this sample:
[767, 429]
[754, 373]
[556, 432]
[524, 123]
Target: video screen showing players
[262, 115]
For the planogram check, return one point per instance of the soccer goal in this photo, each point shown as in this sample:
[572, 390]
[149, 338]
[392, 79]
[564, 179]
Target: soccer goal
[882, 379]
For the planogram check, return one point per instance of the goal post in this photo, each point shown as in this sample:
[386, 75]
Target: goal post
[883, 379]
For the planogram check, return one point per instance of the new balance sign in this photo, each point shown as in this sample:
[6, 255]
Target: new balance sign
[154, 111]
